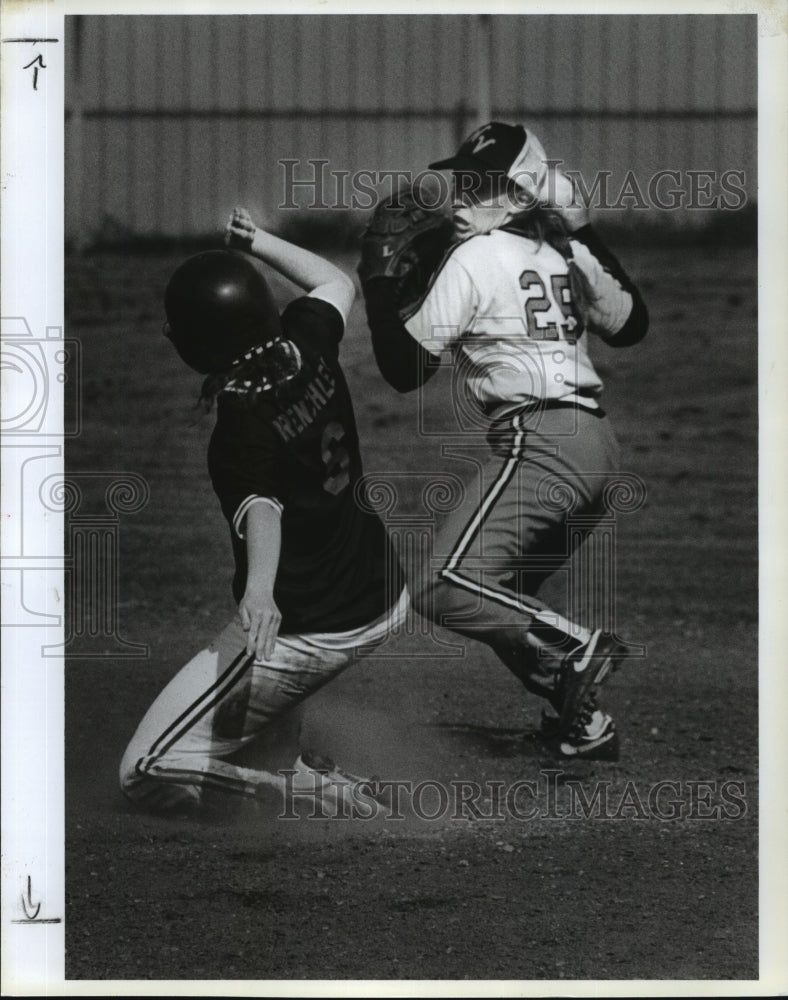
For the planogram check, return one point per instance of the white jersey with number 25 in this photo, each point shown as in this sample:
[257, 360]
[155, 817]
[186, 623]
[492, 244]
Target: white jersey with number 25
[502, 303]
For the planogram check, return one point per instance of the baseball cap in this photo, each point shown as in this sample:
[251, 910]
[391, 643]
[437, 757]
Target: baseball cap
[501, 149]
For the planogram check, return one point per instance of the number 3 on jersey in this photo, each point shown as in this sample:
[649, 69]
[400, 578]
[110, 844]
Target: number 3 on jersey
[537, 303]
[336, 460]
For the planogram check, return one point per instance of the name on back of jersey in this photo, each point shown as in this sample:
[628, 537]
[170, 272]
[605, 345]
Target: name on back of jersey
[296, 417]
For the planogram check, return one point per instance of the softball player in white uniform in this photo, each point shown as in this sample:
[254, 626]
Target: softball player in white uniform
[513, 302]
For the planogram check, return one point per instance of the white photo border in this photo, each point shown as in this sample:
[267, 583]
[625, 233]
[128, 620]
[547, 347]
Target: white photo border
[32, 541]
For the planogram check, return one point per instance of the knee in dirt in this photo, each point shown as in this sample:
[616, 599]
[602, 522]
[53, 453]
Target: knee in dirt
[151, 794]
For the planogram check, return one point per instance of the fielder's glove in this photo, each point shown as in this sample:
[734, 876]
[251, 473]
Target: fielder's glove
[404, 242]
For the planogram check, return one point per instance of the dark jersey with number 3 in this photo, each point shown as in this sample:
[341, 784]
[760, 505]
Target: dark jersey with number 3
[300, 452]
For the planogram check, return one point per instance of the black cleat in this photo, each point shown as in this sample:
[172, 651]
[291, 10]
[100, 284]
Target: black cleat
[584, 670]
[592, 737]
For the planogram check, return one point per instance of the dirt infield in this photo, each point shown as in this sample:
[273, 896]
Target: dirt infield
[643, 869]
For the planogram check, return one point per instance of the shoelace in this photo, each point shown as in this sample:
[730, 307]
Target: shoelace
[585, 713]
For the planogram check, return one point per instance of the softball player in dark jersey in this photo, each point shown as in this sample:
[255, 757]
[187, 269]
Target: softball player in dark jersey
[315, 576]
[514, 301]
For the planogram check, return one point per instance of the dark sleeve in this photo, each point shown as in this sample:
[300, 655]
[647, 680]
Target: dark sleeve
[636, 326]
[402, 361]
[243, 459]
[318, 321]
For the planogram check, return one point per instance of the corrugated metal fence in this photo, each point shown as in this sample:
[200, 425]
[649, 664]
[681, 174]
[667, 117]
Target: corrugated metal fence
[171, 120]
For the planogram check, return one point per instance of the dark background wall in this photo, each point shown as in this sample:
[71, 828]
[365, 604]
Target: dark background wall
[172, 119]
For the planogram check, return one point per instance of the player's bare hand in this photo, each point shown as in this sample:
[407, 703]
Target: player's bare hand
[261, 619]
[240, 229]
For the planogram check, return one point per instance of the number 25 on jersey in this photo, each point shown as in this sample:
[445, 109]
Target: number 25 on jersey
[539, 302]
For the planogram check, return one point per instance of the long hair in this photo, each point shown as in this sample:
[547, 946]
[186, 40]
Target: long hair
[545, 225]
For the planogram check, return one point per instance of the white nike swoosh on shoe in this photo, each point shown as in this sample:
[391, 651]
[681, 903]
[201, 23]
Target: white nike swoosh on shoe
[592, 643]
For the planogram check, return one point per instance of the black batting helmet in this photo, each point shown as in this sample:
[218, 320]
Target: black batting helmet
[218, 307]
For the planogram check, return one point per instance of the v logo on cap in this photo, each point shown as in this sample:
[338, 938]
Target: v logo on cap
[493, 147]
[482, 143]
[479, 141]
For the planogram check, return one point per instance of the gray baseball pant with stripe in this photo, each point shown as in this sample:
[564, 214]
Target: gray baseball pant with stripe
[492, 554]
[222, 700]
